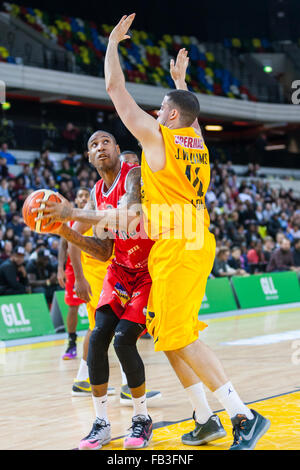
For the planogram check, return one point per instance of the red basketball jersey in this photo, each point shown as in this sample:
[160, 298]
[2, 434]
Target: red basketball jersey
[130, 251]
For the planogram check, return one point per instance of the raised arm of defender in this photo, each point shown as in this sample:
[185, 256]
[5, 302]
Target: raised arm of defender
[143, 126]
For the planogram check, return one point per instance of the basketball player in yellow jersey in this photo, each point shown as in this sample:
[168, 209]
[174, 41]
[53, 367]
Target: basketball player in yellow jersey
[175, 174]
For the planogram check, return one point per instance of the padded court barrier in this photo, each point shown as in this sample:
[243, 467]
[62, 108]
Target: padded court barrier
[218, 297]
[24, 316]
[267, 289]
[83, 321]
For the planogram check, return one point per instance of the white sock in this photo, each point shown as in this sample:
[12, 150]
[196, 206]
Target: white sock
[232, 403]
[83, 371]
[124, 378]
[199, 402]
[140, 406]
[100, 405]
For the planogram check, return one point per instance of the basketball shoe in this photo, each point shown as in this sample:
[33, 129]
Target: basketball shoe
[98, 437]
[204, 433]
[140, 433]
[246, 432]
[126, 397]
[82, 388]
[71, 352]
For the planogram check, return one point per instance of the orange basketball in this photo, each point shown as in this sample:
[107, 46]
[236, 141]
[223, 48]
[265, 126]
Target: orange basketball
[30, 203]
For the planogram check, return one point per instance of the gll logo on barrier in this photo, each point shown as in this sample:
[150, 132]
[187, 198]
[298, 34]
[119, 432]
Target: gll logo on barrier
[2, 92]
[296, 94]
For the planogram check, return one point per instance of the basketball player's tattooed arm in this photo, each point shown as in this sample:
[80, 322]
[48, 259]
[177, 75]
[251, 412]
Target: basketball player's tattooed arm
[128, 211]
[100, 249]
[127, 214]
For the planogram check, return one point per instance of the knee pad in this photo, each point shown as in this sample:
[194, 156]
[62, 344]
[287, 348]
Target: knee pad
[97, 359]
[126, 336]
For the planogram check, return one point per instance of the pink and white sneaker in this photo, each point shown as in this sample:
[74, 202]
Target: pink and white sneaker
[98, 437]
[140, 433]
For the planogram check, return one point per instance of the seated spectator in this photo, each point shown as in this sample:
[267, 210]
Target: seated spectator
[259, 214]
[282, 258]
[39, 244]
[279, 237]
[4, 192]
[296, 253]
[66, 172]
[3, 168]
[42, 275]
[13, 277]
[6, 250]
[28, 247]
[236, 261]
[26, 236]
[26, 175]
[268, 211]
[70, 135]
[16, 224]
[294, 231]
[45, 161]
[256, 258]
[252, 234]
[274, 225]
[10, 236]
[268, 248]
[221, 267]
[4, 153]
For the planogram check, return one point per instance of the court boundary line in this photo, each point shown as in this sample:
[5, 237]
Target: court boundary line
[170, 423]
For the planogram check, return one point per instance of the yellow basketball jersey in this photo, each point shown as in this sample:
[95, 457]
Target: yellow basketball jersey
[181, 184]
[94, 269]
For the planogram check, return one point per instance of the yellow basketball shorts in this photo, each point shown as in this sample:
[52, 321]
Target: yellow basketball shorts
[179, 278]
[95, 279]
[91, 315]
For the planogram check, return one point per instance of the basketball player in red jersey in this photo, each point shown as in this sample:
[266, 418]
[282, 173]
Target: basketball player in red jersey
[122, 305]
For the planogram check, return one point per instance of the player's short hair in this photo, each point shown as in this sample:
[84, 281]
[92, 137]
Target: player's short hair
[128, 152]
[187, 104]
[83, 188]
[102, 132]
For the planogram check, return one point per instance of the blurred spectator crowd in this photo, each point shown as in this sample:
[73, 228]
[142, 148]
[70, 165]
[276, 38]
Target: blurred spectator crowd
[257, 228]
[28, 260]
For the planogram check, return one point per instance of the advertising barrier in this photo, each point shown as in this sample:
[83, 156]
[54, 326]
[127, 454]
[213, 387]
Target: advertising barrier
[260, 290]
[83, 321]
[24, 316]
[218, 297]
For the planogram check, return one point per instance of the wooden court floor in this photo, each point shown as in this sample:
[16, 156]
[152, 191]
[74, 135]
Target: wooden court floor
[260, 353]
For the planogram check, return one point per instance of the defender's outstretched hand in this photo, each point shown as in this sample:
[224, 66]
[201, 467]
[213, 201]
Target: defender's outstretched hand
[119, 33]
[178, 68]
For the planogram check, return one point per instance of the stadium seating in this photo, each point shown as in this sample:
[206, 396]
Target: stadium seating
[254, 45]
[5, 56]
[145, 57]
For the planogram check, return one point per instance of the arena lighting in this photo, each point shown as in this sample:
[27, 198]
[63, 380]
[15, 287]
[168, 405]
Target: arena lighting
[213, 128]
[268, 69]
[240, 123]
[275, 147]
[6, 106]
[70, 103]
